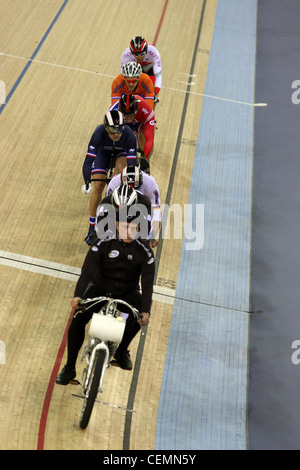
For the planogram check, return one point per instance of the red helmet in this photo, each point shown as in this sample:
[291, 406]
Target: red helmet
[138, 45]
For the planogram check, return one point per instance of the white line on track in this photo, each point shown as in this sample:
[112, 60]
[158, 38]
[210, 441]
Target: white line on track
[99, 74]
[65, 272]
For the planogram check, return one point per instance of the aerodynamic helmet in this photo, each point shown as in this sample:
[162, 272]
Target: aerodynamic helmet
[128, 104]
[123, 196]
[138, 45]
[114, 121]
[132, 176]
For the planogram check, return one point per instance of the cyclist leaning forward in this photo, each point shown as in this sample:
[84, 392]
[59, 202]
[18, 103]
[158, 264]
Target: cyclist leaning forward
[132, 81]
[111, 140]
[140, 117]
[148, 57]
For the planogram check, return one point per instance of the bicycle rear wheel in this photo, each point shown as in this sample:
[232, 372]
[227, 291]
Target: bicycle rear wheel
[92, 390]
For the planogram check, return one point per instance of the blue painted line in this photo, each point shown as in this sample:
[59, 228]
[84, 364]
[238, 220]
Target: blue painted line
[15, 86]
[203, 400]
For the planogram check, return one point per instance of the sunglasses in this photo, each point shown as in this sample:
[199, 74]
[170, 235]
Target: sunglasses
[137, 54]
[114, 130]
[131, 80]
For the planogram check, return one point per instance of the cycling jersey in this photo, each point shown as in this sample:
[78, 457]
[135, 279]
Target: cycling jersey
[144, 89]
[148, 188]
[101, 149]
[143, 119]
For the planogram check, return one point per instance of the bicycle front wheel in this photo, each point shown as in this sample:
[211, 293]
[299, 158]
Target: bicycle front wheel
[92, 389]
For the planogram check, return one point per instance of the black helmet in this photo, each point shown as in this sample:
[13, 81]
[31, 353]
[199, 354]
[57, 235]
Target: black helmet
[132, 176]
[114, 121]
[128, 104]
[138, 45]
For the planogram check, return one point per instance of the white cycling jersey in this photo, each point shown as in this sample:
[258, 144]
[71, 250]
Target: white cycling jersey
[151, 61]
[148, 188]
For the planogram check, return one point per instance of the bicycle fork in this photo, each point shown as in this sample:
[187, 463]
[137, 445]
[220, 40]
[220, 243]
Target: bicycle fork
[90, 359]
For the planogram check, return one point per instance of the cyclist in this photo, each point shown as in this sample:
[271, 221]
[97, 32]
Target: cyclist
[140, 117]
[148, 57]
[111, 140]
[133, 81]
[114, 265]
[106, 211]
[145, 184]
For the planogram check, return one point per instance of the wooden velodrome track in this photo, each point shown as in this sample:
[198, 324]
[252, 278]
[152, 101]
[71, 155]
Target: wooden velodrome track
[57, 63]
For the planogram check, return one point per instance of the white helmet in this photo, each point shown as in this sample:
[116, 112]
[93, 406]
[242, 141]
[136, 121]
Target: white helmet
[123, 196]
[132, 70]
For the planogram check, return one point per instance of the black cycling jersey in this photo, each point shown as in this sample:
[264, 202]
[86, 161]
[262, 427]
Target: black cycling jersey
[116, 267]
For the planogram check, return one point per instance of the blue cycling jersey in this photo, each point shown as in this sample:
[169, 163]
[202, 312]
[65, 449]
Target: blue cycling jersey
[102, 149]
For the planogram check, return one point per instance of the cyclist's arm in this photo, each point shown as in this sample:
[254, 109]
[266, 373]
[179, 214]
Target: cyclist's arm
[157, 70]
[89, 268]
[147, 89]
[149, 137]
[87, 168]
[147, 280]
[90, 156]
[116, 89]
[131, 147]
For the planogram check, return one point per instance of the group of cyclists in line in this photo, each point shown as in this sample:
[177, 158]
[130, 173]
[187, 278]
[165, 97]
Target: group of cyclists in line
[124, 225]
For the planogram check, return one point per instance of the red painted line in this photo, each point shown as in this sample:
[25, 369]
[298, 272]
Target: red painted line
[56, 367]
[49, 391]
[160, 23]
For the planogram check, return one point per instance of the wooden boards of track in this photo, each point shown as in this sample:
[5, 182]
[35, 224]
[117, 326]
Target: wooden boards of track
[72, 52]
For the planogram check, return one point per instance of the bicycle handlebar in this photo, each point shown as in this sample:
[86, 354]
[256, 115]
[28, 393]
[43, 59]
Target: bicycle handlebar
[110, 301]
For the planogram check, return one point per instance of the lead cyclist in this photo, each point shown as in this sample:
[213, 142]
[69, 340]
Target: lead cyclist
[148, 57]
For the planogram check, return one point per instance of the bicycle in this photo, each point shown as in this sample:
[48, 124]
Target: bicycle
[105, 332]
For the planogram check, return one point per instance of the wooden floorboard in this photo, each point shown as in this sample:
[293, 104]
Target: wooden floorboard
[45, 129]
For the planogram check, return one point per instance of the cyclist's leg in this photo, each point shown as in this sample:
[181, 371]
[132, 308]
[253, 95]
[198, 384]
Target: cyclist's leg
[132, 327]
[99, 172]
[96, 195]
[121, 163]
[76, 332]
[141, 139]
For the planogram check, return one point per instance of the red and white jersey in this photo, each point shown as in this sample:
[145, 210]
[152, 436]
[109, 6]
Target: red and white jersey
[145, 116]
[144, 113]
[151, 63]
